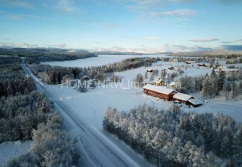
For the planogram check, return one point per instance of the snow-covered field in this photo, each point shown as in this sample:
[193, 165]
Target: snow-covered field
[10, 150]
[96, 61]
[91, 106]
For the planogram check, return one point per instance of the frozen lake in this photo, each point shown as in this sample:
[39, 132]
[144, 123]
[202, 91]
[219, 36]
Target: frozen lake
[96, 61]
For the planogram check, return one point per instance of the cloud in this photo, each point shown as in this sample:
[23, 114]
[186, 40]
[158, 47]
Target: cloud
[19, 16]
[20, 45]
[179, 12]
[109, 25]
[238, 40]
[232, 47]
[150, 38]
[204, 40]
[10, 15]
[66, 5]
[61, 45]
[17, 3]
[148, 50]
[228, 1]
[5, 39]
[226, 42]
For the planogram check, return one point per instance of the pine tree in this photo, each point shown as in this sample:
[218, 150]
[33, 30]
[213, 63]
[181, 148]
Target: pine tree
[205, 90]
[221, 80]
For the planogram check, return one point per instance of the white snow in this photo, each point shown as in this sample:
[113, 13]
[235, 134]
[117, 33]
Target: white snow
[9, 150]
[195, 101]
[182, 96]
[159, 89]
[96, 61]
[90, 107]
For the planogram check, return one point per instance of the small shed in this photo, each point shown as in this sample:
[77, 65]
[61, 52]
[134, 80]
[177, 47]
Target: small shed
[171, 68]
[86, 78]
[150, 70]
[190, 62]
[202, 65]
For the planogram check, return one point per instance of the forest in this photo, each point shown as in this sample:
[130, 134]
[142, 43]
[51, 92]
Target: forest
[42, 55]
[177, 138]
[213, 85]
[27, 115]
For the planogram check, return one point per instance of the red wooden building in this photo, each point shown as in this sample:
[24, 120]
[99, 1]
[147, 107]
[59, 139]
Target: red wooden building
[159, 92]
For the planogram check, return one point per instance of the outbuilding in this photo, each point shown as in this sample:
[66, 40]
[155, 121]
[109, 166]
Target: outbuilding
[182, 97]
[187, 99]
[190, 62]
[194, 102]
[149, 70]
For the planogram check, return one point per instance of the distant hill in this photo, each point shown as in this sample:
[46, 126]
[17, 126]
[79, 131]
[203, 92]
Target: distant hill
[215, 53]
[126, 53]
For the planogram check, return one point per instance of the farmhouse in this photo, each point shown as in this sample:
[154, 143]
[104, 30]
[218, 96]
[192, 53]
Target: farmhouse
[226, 70]
[159, 92]
[159, 82]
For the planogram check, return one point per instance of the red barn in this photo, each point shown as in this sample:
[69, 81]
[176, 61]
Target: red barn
[159, 92]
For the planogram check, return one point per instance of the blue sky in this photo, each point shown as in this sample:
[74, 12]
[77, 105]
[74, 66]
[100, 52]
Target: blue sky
[122, 25]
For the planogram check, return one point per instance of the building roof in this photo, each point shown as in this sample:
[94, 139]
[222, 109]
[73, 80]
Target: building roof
[229, 70]
[195, 102]
[182, 96]
[173, 83]
[162, 90]
[159, 81]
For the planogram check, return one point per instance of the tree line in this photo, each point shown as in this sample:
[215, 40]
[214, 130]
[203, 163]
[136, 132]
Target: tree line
[26, 115]
[178, 138]
[213, 85]
[36, 55]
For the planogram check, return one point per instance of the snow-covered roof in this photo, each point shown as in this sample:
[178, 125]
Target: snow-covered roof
[222, 67]
[173, 83]
[195, 101]
[229, 70]
[162, 90]
[182, 96]
[159, 81]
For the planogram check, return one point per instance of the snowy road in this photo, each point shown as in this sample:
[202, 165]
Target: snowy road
[97, 149]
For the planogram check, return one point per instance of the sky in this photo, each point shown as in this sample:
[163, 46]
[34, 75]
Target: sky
[122, 25]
